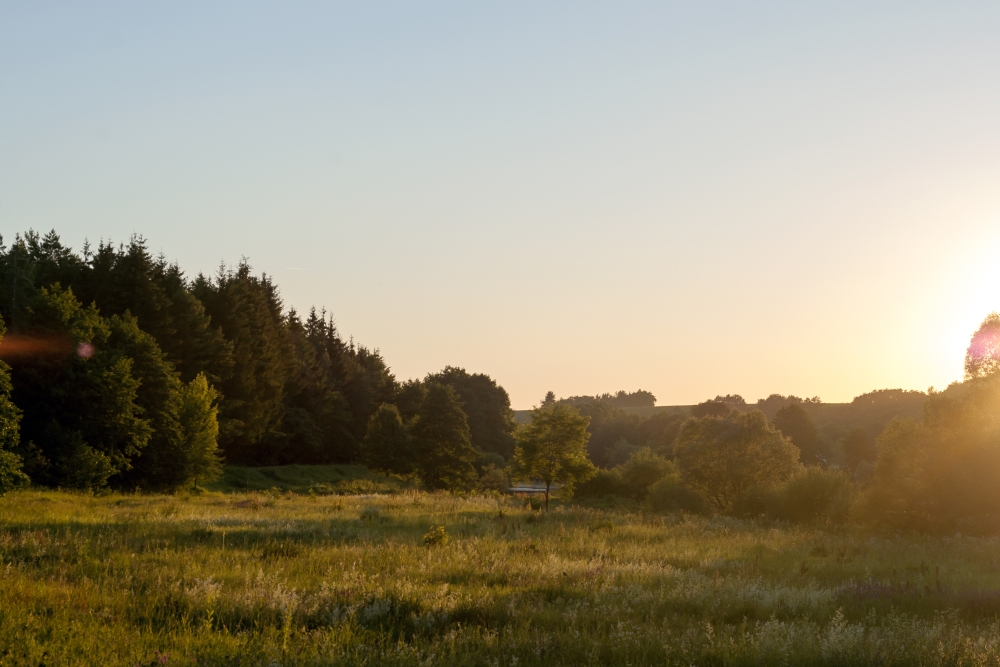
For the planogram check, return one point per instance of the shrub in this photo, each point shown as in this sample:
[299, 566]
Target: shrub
[813, 494]
[642, 470]
[493, 479]
[670, 494]
[437, 536]
[604, 483]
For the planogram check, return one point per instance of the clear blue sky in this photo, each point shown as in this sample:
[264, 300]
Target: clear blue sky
[582, 197]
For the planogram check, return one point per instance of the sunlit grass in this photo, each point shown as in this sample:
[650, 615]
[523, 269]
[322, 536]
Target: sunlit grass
[268, 579]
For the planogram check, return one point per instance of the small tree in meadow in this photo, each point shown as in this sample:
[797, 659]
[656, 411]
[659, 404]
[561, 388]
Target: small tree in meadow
[553, 448]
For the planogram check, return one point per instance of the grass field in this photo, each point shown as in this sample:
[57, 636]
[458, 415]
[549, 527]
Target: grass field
[303, 479]
[280, 579]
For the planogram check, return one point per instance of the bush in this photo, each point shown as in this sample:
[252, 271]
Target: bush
[642, 470]
[493, 479]
[814, 494]
[632, 479]
[604, 483]
[670, 494]
[436, 537]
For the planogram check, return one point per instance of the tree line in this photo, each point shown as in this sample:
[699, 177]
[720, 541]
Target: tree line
[119, 370]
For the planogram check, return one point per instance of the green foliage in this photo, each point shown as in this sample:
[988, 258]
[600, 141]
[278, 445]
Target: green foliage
[387, 445]
[725, 458]
[11, 466]
[493, 479]
[80, 410]
[812, 495]
[816, 494]
[604, 482]
[200, 429]
[163, 464]
[620, 399]
[552, 448]
[444, 453]
[486, 406]
[248, 310]
[794, 422]
[669, 494]
[643, 469]
[11, 473]
[301, 479]
[632, 479]
[711, 408]
[437, 536]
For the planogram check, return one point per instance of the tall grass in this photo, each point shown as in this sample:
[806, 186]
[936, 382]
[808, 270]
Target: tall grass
[278, 579]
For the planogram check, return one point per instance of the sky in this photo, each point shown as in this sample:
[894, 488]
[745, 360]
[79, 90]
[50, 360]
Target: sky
[692, 199]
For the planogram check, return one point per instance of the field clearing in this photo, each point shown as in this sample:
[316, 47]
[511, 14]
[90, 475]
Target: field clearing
[283, 579]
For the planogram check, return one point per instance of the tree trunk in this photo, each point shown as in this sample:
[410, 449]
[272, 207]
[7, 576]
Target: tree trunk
[547, 485]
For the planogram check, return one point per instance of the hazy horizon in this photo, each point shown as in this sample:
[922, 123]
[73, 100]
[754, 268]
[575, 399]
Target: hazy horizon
[576, 198]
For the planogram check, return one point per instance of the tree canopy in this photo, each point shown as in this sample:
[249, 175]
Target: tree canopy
[725, 458]
[552, 448]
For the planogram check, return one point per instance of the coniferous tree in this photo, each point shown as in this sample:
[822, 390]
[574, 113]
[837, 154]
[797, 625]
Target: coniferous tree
[387, 445]
[248, 309]
[78, 395]
[163, 461]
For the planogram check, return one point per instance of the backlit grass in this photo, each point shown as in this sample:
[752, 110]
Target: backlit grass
[267, 579]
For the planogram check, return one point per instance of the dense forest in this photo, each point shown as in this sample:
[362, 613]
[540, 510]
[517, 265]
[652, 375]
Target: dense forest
[125, 372]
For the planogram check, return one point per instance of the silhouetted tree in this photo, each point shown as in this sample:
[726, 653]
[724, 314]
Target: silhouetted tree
[387, 445]
[983, 356]
[710, 408]
[794, 422]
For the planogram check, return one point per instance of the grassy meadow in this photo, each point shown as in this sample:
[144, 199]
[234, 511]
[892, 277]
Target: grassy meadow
[277, 578]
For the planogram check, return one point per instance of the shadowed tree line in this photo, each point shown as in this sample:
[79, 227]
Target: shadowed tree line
[123, 371]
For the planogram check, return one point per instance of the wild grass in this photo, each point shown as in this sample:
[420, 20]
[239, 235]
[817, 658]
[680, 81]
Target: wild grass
[283, 579]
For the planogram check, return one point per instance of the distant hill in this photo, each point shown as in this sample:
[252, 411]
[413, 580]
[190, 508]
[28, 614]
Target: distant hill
[871, 411]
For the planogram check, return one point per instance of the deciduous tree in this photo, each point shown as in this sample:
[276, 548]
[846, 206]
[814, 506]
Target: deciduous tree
[552, 448]
[724, 458]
